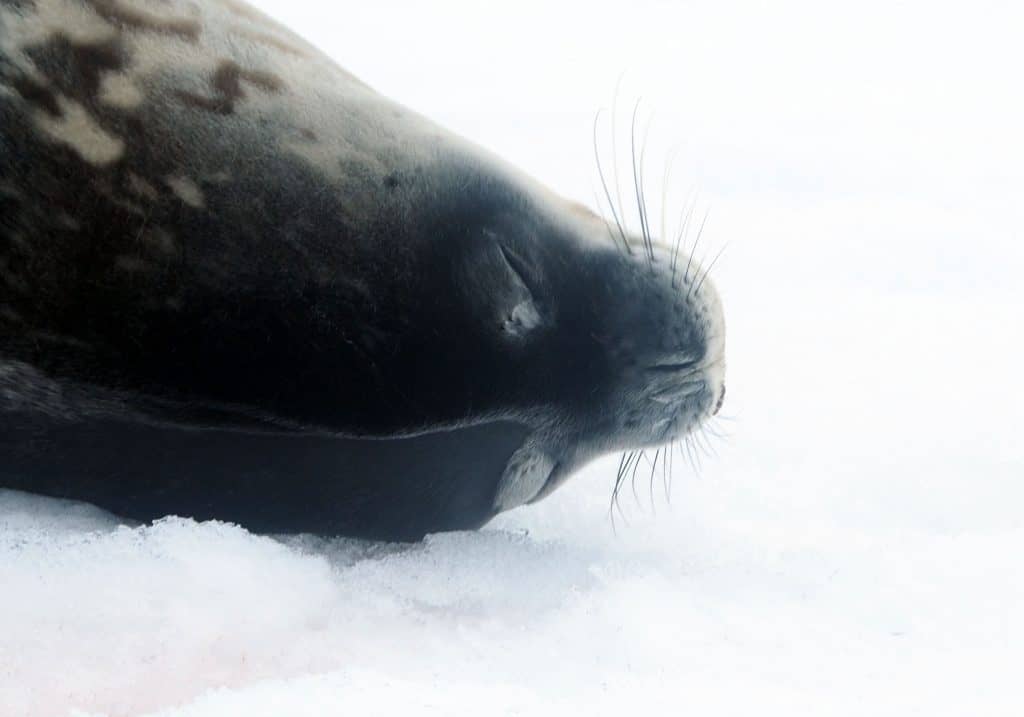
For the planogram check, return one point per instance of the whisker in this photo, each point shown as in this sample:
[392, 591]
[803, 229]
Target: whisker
[643, 194]
[685, 214]
[713, 430]
[604, 185]
[634, 460]
[708, 270]
[650, 487]
[707, 441]
[670, 455]
[607, 224]
[614, 505]
[691, 444]
[622, 462]
[697, 449]
[665, 175]
[693, 251]
[627, 459]
[611, 502]
[615, 151]
[632, 480]
[701, 441]
[636, 187]
[689, 455]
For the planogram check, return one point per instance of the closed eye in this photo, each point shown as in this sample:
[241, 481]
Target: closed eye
[524, 315]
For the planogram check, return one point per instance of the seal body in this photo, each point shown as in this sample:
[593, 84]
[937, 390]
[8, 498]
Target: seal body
[237, 283]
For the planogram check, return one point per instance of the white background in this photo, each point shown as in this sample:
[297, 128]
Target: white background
[854, 546]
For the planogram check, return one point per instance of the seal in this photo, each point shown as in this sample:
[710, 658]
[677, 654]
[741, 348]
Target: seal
[238, 283]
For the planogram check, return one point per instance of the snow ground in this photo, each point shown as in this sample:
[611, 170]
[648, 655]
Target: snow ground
[855, 545]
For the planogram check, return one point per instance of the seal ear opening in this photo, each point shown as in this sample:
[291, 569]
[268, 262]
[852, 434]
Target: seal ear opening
[525, 474]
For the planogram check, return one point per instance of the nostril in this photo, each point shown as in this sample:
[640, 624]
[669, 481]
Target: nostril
[721, 400]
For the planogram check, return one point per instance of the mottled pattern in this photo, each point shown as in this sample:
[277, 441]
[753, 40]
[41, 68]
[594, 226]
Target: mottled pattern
[164, 118]
[226, 87]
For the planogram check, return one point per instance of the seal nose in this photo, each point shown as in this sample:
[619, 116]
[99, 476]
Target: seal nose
[721, 400]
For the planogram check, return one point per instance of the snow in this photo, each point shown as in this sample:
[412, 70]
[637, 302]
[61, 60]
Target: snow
[852, 546]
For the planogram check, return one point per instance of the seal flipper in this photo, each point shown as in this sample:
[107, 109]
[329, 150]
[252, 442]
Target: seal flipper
[375, 488]
[525, 474]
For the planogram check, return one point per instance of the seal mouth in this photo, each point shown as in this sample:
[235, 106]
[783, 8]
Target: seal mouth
[671, 367]
[719, 402]
[674, 362]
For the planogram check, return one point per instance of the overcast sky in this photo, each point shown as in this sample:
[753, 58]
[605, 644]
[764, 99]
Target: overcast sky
[852, 544]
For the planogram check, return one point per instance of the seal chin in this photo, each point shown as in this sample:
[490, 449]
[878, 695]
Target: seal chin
[526, 474]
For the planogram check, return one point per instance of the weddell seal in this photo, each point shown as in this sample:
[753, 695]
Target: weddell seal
[237, 283]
